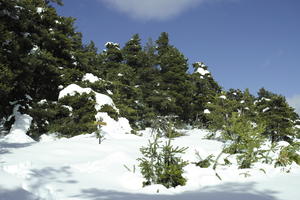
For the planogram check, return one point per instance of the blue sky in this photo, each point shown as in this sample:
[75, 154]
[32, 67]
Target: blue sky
[246, 43]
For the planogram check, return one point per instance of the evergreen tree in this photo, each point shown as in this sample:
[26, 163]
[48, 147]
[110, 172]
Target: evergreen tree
[172, 96]
[278, 115]
[132, 52]
[204, 90]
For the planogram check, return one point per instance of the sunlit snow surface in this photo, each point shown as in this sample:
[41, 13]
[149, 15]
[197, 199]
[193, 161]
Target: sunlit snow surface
[79, 168]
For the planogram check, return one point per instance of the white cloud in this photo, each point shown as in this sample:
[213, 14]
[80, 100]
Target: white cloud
[295, 102]
[152, 9]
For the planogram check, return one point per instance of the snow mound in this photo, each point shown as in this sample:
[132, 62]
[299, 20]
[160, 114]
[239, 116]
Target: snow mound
[17, 133]
[112, 126]
[90, 77]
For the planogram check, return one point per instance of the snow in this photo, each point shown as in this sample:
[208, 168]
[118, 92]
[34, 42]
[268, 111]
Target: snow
[113, 127]
[202, 71]
[109, 92]
[116, 45]
[43, 101]
[206, 111]
[39, 10]
[79, 168]
[119, 74]
[68, 107]
[90, 77]
[17, 133]
[266, 99]
[222, 97]
[265, 109]
[34, 49]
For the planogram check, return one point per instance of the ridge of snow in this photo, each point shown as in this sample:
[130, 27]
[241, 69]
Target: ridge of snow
[112, 44]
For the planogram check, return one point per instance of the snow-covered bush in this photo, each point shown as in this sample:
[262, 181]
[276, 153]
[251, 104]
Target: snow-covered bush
[70, 116]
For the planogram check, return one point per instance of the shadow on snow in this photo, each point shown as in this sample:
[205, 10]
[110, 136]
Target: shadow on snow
[228, 191]
[5, 146]
[16, 194]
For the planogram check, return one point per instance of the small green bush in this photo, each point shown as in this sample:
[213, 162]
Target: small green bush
[161, 164]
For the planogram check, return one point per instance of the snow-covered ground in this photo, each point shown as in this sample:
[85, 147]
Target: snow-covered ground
[79, 168]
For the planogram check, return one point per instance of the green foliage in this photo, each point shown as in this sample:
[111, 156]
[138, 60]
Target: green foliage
[204, 163]
[287, 155]
[70, 116]
[110, 111]
[161, 164]
[165, 127]
[245, 138]
[278, 116]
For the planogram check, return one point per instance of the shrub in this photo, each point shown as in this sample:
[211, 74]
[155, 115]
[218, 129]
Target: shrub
[161, 164]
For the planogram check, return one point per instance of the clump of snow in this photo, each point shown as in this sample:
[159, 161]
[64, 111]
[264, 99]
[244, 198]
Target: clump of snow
[43, 101]
[34, 49]
[202, 71]
[266, 99]
[109, 92]
[111, 44]
[90, 77]
[206, 111]
[17, 133]
[119, 74]
[265, 109]
[243, 101]
[68, 107]
[223, 97]
[39, 10]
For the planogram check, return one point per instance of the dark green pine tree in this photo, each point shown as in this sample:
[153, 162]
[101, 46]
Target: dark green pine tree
[278, 116]
[132, 52]
[205, 88]
[172, 97]
[40, 51]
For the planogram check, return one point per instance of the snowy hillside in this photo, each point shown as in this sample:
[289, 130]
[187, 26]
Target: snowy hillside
[79, 168]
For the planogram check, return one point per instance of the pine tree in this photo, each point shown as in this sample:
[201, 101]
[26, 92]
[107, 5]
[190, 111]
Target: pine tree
[204, 90]
[132, 52]
[278, 116]
[171, 96]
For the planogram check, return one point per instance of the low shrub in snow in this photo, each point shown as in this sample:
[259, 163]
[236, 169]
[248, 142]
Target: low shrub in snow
[161, 163]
